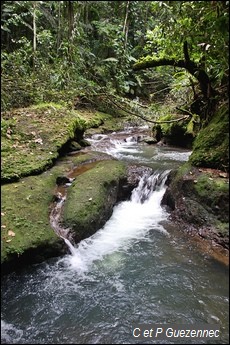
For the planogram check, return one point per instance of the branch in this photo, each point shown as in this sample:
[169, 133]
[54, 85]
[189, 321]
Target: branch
[185, 111]
[186, 55]
[189, 65]
[143, 117]
[149, 62]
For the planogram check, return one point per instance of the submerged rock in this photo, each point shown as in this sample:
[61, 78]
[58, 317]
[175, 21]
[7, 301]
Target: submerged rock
[61, 180]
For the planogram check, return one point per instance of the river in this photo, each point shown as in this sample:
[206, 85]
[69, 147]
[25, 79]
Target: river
[138, 269]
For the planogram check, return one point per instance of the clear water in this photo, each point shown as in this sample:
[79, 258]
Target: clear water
[139, 268]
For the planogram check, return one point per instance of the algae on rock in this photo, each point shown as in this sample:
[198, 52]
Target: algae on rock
[211, 147]
[91, 198]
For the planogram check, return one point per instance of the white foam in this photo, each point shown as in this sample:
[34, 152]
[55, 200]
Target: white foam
[130, 220]
[9, 333]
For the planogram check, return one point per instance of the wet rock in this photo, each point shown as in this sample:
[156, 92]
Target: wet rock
[61, 180]
[199, 202]
[162, 142]
[74, 146]
[84, 143]
[149, 140]
[134, 174]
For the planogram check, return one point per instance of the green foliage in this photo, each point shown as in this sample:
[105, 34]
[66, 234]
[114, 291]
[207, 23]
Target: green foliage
[90, 45]
[203, 24]
[79, 46]
[193, 126]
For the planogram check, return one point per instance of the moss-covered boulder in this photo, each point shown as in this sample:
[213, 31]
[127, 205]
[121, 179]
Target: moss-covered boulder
[211, 147]
[199, 200]
[33, 137]
[26, 233]
[91, 198]
[173, 132]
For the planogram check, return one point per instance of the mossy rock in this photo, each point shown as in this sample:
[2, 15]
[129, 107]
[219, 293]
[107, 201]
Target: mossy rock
[173, 133]
[33, 137]
[199, 198]
[211, 147]
[25, 212]
[91, 198]
[104, 123]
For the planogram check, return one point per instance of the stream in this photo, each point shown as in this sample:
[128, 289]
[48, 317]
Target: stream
[138, 269]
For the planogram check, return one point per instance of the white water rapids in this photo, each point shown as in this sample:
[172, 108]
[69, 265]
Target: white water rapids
[130, 220]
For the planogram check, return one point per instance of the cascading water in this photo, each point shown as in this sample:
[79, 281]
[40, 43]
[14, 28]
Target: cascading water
[130, 220]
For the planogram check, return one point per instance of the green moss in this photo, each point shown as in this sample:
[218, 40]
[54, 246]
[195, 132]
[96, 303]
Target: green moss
[177, 178]
[32, 143]
[222, 228]
[103, 123]
[211, 147]
[89, 195]
[43, 105]
[212, 191]
[97, 120]
[32, 137]
[25, 211]
[183, 170]
[176, 133]
[206, 185]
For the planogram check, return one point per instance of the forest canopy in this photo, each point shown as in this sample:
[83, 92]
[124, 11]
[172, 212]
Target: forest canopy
[62, 49]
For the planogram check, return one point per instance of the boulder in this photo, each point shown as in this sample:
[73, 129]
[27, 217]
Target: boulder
[198, 199]
[92, 196]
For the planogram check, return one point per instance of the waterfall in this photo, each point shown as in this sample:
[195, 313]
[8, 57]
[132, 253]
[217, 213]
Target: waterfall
[131, 220]
[55, 216]
[148, 184]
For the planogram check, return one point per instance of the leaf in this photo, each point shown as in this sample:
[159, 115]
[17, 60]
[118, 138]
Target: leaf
[39, 141]
[111, 59]
[9, 131]
[8, 241]
[223, 174]
[11, 233]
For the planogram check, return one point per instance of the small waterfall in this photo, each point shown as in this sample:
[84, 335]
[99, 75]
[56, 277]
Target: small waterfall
[69, 244]
[131, 220]
[55, 216]
[148, 184]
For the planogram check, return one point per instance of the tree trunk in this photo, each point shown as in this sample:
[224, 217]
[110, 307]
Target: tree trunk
[70, 29]
[126, 25]
[59, 27]
[34, 34]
